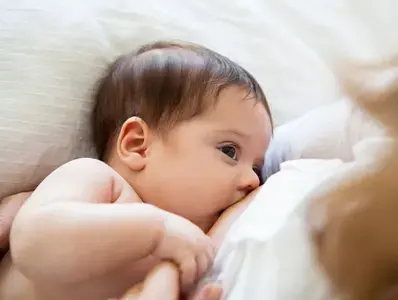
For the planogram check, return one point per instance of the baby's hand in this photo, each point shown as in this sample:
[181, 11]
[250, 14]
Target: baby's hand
[188, 246]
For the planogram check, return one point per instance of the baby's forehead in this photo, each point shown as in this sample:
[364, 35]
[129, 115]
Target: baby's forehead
[241, 117]
[235, 106]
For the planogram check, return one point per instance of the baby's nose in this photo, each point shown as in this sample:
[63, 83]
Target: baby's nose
[249, 181]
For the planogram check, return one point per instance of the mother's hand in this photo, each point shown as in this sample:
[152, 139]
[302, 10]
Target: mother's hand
[163, 283]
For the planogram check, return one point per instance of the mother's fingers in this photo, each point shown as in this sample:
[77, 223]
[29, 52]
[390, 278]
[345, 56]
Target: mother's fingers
[133, 293]
[210, 291]
[161, 283]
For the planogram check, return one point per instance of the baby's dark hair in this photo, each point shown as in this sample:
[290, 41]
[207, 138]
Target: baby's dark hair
[163, 83]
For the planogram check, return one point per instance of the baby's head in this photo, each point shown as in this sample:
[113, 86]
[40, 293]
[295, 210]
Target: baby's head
[186, 127]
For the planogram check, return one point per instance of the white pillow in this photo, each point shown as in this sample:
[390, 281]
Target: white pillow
[52, 52]
[327, 132]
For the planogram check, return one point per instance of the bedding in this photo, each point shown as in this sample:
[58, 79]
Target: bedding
[51, 54]
[328, 132]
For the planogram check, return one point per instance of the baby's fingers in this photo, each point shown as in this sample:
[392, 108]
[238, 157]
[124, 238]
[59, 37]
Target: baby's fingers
[205, 260]
[203, 263]
[210, 255]
[188, 274]
[211, 252]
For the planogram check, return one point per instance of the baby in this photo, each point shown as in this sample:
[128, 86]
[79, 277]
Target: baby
[181, 132]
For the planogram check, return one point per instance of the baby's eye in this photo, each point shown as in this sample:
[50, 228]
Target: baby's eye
[229, 151]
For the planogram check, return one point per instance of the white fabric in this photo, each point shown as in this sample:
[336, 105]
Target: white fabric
[330, 131]
[267, 253]
[52, 52]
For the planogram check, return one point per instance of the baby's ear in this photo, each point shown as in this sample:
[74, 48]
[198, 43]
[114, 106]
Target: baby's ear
[133, 142]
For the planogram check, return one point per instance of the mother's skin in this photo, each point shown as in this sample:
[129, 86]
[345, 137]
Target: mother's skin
[164, 277]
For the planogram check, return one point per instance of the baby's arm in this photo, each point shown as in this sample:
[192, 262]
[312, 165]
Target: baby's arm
[162, 282]
[71, 229]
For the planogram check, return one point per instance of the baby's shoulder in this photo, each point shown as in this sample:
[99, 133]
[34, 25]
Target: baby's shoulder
[81, 172]
[85, 164]
[85, 168]
[98, 175]
[85, 179]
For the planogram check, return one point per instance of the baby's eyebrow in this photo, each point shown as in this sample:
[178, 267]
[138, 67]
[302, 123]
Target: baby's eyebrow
[236, 132]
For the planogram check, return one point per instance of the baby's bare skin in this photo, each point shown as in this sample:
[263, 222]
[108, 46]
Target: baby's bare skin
[14, 286]
[78, 264]
[99, 287]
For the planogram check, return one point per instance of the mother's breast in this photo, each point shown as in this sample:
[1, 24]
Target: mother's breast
[228, 217]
